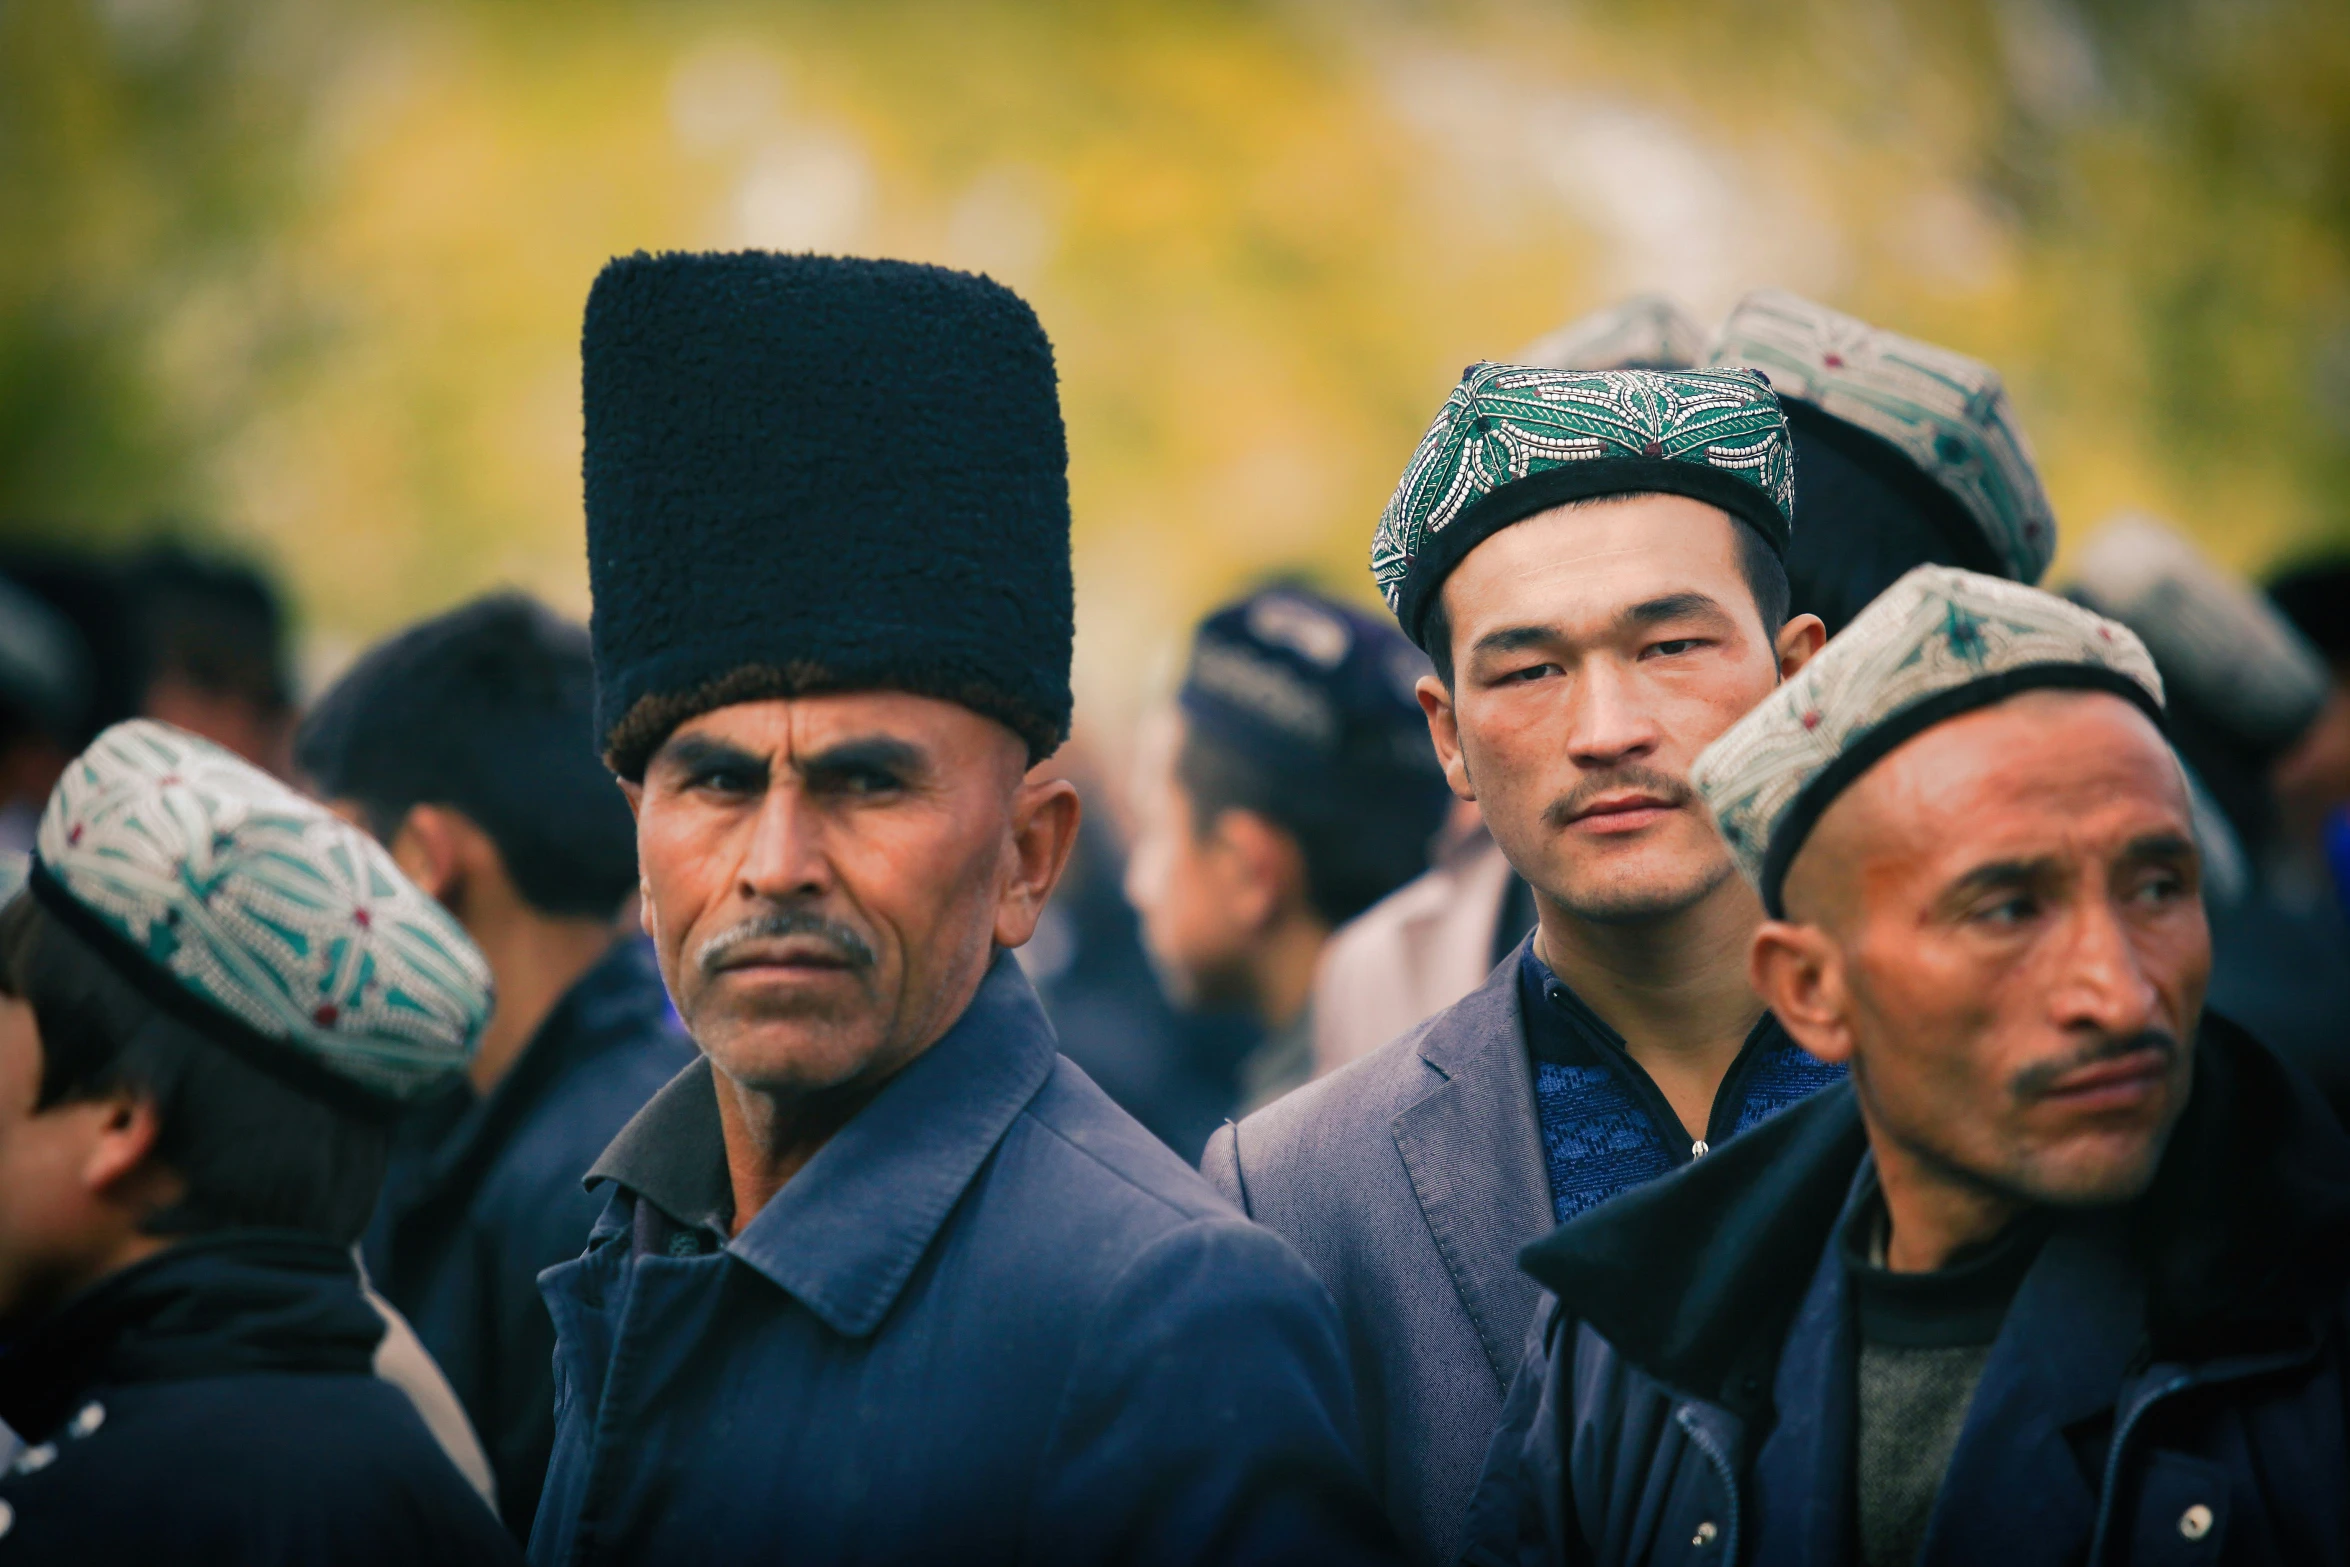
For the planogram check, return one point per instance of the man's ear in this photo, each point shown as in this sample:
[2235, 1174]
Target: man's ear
[428, 849]
[1045, 816]
[120, 1167]
[1798, 970]
[1444, 732]
[1261, 865]
[1799, 639]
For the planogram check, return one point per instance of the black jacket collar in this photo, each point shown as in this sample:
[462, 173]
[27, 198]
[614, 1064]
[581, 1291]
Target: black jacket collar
[215, 1305]
[1695, 1278]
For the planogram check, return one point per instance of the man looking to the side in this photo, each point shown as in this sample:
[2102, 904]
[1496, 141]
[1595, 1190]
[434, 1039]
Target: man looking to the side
[1292, 789]
[882, 1278]
[2064, 1274]
[1591, 560]
[466, 745]
[212, 995]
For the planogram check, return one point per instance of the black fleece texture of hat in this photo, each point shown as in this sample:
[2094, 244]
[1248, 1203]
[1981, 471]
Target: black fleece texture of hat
[810, 473]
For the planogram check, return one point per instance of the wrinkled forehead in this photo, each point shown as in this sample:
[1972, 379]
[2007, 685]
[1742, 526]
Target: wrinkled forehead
[945, 736]
[2050, 774]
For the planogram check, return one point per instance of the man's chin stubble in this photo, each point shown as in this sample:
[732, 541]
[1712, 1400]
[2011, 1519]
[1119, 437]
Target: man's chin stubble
[1642, 905]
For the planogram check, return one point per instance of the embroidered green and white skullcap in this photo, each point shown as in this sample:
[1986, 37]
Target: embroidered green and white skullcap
[259, 918]
[1948, 414]
[1938, 643]
[1645, 332]
[2222, 647]
[1513, 440]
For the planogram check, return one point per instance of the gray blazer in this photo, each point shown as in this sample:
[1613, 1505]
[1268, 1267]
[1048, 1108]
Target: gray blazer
[1409, 1179]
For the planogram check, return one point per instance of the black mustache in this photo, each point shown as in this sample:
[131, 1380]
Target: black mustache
[2035, 1081]
[1616, 780]
[851, 948]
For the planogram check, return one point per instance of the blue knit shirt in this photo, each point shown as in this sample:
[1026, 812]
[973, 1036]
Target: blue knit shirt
[1606, 1126]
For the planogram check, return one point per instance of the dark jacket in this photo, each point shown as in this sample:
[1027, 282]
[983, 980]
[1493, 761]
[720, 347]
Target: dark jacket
[217, 1403]
[1410, 1178]
[2169, 1383]
[484, 1194]
[993, 1320]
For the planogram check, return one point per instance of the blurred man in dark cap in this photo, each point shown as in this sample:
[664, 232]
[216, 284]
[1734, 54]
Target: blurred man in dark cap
[467, 746]
[1292, 788]
[213, 995]
[2063, 1273]
[2246, 692]
[882, 1278]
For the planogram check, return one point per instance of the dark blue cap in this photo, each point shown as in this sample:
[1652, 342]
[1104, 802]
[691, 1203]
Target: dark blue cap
[1313, 689]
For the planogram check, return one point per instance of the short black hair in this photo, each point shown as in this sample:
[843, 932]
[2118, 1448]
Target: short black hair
[1765, 573]
[489, 710]
[1358, 846]
[2315, 596]
[250, 1150]
[213, 621]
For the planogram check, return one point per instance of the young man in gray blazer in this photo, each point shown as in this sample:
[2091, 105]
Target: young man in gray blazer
[1595, 563]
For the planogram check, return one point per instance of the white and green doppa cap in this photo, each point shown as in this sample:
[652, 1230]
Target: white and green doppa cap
[2224, 649]
[1938, 643]
[260, 918]
[1513, 440]
[1946, 413]
[1645, 332]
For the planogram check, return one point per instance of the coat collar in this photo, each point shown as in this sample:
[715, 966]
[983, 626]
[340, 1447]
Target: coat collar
[1473, 1150]
[1696, 1277]
[845, 1233]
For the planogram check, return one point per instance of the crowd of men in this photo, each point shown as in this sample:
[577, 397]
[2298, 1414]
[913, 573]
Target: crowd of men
[1752, 1032]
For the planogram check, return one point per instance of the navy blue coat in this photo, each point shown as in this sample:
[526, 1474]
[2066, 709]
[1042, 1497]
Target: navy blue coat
[484, 1194]
[2171, 1383]
[218, 1403]
[993, 1320]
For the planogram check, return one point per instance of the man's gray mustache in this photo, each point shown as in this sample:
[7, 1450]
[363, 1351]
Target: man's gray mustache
[845, 943]
[2034, 1081]
[1616, 780]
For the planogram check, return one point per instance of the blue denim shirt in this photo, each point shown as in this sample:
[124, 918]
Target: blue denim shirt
[993, 1320]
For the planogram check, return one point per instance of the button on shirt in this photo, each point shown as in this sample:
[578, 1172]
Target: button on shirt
[992, 1320]
[1606, 1126]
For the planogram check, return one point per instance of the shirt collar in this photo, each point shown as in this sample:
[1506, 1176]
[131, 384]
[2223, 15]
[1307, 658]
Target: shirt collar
[845, 1233]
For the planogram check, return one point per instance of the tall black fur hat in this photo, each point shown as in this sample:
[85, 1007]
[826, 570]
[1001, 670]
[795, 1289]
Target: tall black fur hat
[807, 474]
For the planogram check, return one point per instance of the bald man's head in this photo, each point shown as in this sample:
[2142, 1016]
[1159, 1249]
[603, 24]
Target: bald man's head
[1985, 923]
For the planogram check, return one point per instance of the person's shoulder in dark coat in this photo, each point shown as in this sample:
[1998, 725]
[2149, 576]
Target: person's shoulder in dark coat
[472, 1215]
[270, 1469]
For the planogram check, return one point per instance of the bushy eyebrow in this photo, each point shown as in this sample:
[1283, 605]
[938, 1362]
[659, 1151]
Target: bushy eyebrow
[694, 755]
[1670, 606]
[2001, 875]
[901, 759]
[2160, 846]
[1633, 617]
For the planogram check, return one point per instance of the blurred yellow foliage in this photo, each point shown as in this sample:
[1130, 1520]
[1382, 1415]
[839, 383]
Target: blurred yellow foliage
[311, 270]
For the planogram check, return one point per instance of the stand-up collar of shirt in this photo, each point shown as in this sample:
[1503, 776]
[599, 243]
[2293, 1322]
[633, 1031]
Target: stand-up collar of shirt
[845, 1233]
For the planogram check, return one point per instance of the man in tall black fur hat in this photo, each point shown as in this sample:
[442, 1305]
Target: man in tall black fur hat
[882, 1277]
